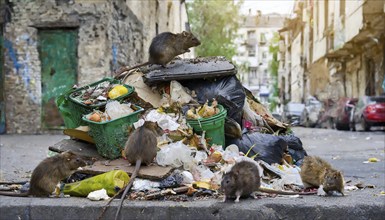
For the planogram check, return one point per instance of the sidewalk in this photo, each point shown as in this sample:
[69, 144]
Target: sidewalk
[18, 159]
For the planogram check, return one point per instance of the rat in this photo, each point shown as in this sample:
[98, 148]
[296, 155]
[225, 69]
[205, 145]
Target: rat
[165, 47]
[243, 179]
[140, 148]
[316, 172]
[49, 173]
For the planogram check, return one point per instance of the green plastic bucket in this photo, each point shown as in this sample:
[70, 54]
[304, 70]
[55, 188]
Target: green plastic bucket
[111, 136]
[72, 110]
[214, 127]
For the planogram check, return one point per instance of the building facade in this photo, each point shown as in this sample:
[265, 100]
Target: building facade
[255, 35]
[49, 45]
[336, 50]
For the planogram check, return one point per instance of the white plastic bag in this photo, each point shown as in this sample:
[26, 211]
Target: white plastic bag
[116, 110]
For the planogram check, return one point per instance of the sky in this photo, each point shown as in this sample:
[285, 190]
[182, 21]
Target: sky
[268, 6]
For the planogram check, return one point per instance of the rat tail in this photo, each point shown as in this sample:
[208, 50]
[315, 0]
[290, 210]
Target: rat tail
[123, 71]
[14, 194]
[281, 192]
[128, 187]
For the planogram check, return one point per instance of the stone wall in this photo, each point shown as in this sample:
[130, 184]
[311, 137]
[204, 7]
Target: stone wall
[109, 35]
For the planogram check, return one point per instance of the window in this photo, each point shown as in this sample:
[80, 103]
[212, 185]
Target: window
[264, 55]
[263, 38]
[251, 34]
[251, 51]
[253, 72]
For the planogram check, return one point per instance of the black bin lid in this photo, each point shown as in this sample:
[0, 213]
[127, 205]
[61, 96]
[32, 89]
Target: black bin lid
[183, 69]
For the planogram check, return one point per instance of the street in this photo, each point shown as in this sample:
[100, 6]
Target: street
[345, 150]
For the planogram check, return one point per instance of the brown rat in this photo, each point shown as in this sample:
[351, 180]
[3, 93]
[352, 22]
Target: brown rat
[316, 172]
[140, 148]
[49, 173]
[165, 47]
[243, 179]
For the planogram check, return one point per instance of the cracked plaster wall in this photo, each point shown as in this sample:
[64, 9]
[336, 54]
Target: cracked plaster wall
[109, 34]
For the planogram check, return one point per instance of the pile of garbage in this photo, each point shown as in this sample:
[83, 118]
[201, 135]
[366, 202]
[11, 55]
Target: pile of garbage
[205, 126]
[231, 125]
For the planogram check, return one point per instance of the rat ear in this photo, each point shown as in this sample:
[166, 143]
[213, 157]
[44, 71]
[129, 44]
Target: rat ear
[184, 33]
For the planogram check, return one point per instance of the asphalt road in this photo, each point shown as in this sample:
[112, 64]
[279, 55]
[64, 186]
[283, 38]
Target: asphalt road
[345, 150]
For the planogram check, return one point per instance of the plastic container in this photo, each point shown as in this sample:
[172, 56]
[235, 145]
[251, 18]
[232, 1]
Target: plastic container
[110, 136]
[214, 126]
[72, 110]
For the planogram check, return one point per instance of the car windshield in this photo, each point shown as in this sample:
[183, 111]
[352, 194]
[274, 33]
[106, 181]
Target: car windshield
[295, 107]
[315, 103]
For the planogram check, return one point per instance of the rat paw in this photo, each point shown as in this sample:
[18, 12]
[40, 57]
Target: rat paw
[320, 191]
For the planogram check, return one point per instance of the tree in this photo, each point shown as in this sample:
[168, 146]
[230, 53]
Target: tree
[215, 23]
[273, 69]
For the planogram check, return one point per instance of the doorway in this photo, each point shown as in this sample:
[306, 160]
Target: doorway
[58, 56]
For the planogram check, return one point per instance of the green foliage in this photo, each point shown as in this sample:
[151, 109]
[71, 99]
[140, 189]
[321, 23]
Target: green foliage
[273, 49]
[215, 23]
[242, 68]
[273, 69]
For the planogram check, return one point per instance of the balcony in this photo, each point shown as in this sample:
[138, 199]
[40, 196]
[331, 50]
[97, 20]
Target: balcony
[251, 41]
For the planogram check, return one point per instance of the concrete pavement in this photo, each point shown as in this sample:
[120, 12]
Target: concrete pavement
[346, 151]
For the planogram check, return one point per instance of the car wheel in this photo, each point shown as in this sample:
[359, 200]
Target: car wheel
[337, 126]
[364, 124]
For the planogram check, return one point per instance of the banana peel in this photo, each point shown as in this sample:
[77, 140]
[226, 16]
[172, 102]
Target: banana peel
[205, 185]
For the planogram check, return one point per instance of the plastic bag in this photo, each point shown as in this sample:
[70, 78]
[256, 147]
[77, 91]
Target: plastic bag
[175, 154]
[228, 91]
[250, 115]
[296, 149]
[178, 93]
[165, 122]
[116, 110]
[112, 181]
[269, 148]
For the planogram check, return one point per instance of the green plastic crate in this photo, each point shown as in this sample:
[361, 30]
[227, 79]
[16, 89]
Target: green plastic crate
[214, 126]
[111, 136]
[72, 111]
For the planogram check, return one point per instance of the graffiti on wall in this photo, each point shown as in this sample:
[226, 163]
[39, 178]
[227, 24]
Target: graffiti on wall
[21, 64]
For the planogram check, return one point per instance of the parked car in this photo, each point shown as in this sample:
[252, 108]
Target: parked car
[311, 112]
[344, 108]
[336, 114]
[292, 113]
[369, 112]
